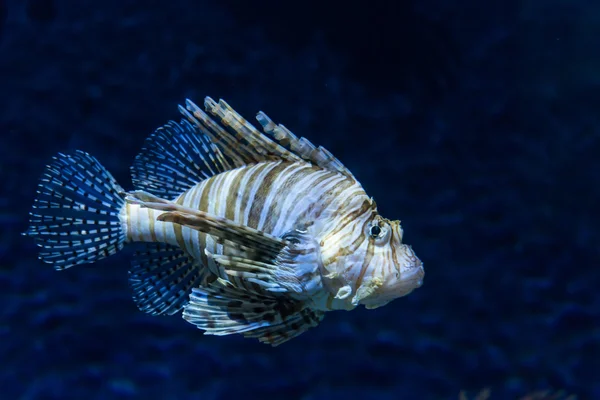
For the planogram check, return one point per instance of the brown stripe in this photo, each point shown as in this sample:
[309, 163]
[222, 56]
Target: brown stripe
[351, 217]
[328, 197]
[393, 248]
[177, 228]
[203, 206]
[284, 188]
[193, 239]
[354, 246]
[128, 216]
[232, 195]
[261, 194]
[164, 231]
[344, 251]
[368, 257]
[245, 190]
[303, 216]
[151, 221]
[138, 223]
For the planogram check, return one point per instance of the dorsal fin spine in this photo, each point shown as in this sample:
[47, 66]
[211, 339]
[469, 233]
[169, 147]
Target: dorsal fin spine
[240, 141]
[261, 143]
[239, 153]
[176, 157]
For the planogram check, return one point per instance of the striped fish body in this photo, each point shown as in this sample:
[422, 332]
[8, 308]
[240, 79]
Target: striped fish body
[272, 197]
[246, 232]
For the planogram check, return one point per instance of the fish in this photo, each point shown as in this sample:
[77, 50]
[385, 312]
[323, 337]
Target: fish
[242, 231]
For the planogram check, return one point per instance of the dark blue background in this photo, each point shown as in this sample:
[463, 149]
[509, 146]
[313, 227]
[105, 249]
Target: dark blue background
[475, 123]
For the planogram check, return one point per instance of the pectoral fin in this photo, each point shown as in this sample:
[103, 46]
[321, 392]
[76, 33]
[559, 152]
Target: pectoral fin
[293, 326]
[295, 269]
[223, 309]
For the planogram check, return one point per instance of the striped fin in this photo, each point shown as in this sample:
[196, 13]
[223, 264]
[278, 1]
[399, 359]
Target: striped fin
[75, 217]
[225, 310]
[162, 277]
[244, 144]
[220, 227]
[261, 273]
[301, 146]
[295, 270]
[292, 327]
[176, 157]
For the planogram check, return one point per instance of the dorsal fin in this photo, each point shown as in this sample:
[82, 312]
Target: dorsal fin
[243, 143]
[176, 157]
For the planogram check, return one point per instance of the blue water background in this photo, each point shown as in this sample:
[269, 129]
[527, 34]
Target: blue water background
[475, 123]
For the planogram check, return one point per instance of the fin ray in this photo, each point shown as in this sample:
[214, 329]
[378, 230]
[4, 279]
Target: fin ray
[225, 310]
[176, 157]
[244, 144]
[162, 277]
[75, 217]
[292, 327]
[294, 270]
[301, 147]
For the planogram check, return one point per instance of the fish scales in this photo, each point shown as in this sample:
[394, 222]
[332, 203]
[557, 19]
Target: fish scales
[248, 233]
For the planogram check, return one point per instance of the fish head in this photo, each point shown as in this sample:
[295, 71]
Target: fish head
[391, 269]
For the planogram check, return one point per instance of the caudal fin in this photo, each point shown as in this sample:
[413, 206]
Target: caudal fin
[75, 217]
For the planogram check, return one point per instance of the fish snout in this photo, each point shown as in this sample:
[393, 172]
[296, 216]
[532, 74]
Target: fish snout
[411, 272]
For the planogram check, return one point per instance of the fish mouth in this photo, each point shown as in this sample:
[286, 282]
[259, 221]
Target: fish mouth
[413, 275]
[418, 275]
[408, 280]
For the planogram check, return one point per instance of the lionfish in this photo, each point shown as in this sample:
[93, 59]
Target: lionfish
[248, 233]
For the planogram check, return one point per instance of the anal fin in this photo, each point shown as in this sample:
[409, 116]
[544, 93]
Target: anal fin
[162, 277]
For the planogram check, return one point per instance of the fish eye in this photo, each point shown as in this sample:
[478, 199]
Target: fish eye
[379, 231]
[375, 231]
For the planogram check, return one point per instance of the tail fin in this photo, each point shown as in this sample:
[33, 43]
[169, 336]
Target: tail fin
[75, 217]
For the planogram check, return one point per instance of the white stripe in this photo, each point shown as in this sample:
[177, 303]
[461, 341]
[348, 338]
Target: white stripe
[195, 200]
[215, 196]
[144, 225]
[248, 174]
[226, 190]
[291, 198]
[186, 233]
[324, 186]
[159, 229]
[133, 218]
[138, 221]
[348, 200]
[274, 191]
[255, 184]
[168, 233]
